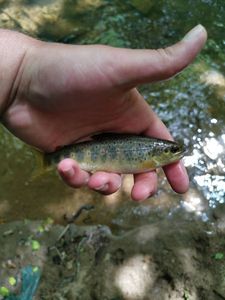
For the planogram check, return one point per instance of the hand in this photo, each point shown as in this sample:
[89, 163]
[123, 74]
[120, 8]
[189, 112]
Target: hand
[67, 92]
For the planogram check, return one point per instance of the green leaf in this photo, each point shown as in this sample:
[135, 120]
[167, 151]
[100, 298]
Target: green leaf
[35, 269]
[35, 245]
[4, 291]
[12, 281]
[219, 256]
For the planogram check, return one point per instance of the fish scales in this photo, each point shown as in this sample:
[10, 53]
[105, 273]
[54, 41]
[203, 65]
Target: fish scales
[120, 153]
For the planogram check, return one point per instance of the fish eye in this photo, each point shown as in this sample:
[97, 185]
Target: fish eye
[174, 149]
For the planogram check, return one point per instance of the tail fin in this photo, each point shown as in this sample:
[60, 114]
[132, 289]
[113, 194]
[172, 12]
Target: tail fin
[40, 166]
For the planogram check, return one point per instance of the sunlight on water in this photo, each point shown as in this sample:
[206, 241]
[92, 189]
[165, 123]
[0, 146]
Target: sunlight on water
[213, 187]
[213, 77]
[212, 180]
[213, 148]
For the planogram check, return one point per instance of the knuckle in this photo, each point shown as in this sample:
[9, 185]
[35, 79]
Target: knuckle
[167, 62]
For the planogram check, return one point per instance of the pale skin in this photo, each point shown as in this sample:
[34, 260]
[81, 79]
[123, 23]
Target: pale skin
[54, 94]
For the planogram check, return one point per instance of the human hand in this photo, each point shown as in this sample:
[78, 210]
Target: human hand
[64, 93]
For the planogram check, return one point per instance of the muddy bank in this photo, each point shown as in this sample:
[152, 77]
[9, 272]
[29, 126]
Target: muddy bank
[167, 260]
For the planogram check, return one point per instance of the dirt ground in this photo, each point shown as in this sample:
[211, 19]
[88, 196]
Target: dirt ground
[170, 259]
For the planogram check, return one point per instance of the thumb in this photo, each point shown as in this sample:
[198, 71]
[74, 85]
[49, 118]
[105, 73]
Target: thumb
[144, 66]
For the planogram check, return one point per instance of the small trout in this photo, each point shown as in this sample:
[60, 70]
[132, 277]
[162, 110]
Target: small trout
[119, 153]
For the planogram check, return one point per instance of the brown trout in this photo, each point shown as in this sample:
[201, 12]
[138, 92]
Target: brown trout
[119, 153]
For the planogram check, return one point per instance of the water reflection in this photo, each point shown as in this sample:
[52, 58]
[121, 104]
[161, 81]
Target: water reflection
[213, 77]
[209, 158]
[213, 188]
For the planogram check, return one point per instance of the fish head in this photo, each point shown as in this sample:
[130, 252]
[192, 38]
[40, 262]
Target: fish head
[168, 152]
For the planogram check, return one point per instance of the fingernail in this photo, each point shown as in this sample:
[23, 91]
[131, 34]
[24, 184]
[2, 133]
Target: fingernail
[69, 172]
[193, 33]
[102, 188]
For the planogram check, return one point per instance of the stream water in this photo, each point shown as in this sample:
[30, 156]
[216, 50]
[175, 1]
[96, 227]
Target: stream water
[192, 105]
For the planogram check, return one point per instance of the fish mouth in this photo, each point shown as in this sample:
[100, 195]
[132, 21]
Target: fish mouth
[182, 153]
[185, 151]
[179, 155]
[174, 158]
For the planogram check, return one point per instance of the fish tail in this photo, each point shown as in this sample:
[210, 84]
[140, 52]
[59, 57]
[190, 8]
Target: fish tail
[40, 166]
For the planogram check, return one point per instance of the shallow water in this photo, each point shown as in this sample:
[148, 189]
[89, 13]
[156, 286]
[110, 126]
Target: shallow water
[192, 105]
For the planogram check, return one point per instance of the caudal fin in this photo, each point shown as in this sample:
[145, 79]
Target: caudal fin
[40, 166]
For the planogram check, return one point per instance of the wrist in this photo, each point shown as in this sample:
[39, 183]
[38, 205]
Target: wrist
[13, 50]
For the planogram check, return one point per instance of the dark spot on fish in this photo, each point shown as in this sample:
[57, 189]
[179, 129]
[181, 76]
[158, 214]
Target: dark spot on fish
[94, 155]
[103, 154]
[128, 156]
[80, 155]
[112, 152]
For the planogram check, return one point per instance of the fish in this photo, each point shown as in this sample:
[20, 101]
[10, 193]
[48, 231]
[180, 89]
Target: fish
[118, 153]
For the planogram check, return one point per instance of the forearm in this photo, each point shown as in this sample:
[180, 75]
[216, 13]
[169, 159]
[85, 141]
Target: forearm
[13, 48]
